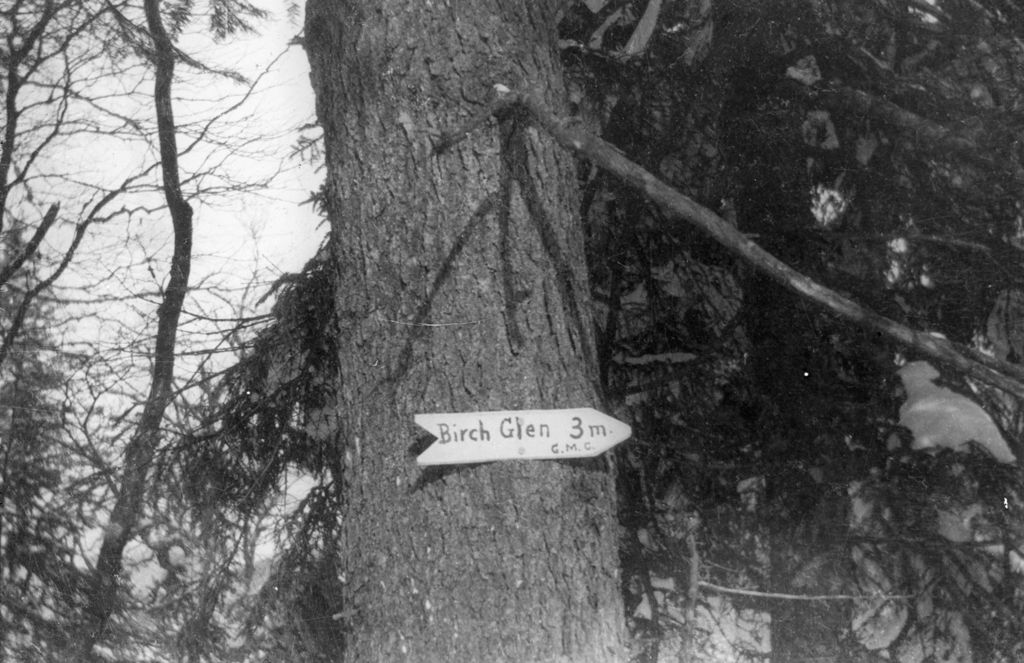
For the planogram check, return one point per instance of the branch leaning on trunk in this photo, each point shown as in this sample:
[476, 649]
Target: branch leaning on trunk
[1000, 374]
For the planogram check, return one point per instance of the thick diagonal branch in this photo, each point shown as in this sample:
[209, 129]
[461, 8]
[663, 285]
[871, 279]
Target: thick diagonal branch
[30, 248]
[1000, 374]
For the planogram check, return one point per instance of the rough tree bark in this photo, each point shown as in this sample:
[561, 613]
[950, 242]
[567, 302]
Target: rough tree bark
[462, 287]
[128, 505]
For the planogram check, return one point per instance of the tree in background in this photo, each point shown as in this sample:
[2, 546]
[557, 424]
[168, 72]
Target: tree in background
[39, 494]
[73, 92]
[140, 451]
[45, 488]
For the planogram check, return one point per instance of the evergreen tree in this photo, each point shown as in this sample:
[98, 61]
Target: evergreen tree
[41, 567]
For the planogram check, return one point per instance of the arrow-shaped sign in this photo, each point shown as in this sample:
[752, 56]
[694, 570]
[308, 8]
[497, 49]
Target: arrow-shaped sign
[479, 437]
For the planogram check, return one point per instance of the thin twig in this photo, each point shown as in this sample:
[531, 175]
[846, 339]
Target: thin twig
[803, 597]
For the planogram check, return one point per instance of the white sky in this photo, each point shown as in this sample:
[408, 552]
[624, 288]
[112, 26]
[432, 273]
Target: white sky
[287, 232]
[242, 239]
[235, 233]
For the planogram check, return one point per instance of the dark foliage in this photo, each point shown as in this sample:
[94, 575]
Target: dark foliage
[752, 409]
[42, 581]
[279, 409]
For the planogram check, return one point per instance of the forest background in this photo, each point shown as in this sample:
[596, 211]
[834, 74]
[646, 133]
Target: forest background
[176, 467]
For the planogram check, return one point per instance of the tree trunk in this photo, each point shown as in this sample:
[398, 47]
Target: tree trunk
[102, 599]
[462, 287]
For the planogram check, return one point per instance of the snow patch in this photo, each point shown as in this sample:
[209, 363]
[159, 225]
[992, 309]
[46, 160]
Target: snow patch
[940, 417]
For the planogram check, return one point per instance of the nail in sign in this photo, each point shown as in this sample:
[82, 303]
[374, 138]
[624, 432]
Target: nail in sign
[479, 437]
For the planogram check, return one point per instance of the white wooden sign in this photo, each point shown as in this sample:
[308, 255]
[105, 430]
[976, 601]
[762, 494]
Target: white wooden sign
[479, 437]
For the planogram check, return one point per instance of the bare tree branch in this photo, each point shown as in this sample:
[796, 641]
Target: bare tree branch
[1000, 374]
[15, 57]
[30, 248]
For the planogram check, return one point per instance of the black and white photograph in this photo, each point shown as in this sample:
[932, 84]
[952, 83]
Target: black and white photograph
[511, 331]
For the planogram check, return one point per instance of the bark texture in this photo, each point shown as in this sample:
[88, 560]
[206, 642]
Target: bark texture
[462, 288]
